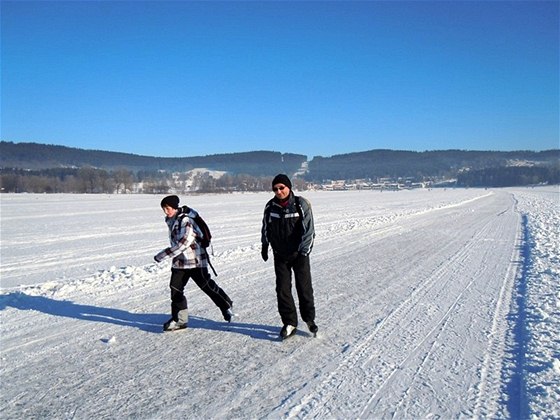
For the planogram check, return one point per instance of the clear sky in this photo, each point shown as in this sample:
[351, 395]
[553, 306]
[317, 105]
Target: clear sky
[187, 78]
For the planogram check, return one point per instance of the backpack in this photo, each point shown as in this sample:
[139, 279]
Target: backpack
[204, 229]
[202, 226]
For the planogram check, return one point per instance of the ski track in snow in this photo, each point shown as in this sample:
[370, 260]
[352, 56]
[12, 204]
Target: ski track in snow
[415, 305]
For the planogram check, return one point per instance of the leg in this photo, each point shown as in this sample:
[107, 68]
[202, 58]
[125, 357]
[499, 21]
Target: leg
[304, 287]
[286, 305]
[202, 278]
[179, 308]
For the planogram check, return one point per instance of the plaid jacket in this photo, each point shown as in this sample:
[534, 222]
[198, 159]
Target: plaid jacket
[185, 249]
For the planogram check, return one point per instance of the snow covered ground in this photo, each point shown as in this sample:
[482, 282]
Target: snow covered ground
[430, 304]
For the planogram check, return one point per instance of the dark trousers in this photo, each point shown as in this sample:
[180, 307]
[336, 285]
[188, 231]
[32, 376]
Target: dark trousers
[179, 279]
[283, 268]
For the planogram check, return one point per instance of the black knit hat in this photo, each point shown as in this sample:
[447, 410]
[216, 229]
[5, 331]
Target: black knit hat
[170, 201]
[282, 179]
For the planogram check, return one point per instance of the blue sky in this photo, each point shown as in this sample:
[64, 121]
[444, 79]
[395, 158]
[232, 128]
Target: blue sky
[317, 78]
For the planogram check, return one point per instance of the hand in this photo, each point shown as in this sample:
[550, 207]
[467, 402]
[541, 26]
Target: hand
[264, 253]
[156, 259]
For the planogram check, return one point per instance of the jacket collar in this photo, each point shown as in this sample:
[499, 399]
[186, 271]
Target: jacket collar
[289, 200]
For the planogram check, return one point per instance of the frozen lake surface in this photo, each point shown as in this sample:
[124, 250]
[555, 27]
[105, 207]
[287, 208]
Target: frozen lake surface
[430, 303]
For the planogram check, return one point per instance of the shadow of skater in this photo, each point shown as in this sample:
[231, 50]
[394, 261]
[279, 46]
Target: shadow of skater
[256, 331]
[146, 322]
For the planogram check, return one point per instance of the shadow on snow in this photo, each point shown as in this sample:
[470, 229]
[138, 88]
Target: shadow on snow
[256, 331]
[516, 387]
[150, 322]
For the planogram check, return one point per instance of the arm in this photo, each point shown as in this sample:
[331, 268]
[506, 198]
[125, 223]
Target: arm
[308, 235]
[264, 236]
[180, 241]
[264, 228]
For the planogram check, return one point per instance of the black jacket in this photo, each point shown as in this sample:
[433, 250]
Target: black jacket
[290, 229]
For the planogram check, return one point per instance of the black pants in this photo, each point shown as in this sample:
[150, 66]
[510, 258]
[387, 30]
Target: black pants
[179, 279]
[302, 272]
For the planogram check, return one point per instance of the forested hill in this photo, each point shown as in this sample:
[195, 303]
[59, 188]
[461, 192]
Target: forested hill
[41, 156]
[469, 167]
[419, 165]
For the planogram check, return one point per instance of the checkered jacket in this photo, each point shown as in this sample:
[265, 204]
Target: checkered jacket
[185, 249]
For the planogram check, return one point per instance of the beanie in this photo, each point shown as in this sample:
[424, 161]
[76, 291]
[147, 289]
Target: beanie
[282, 179]
[170, 201]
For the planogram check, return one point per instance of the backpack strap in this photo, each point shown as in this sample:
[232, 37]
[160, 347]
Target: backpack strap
[185, 210]
[299, 209]
[210, 263]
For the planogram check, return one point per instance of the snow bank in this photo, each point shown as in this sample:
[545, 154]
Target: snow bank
[536, 344]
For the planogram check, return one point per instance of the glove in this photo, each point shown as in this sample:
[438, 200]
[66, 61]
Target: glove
[264, 253]
[156, 259]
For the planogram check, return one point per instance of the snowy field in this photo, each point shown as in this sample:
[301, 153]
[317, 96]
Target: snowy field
[430, 304]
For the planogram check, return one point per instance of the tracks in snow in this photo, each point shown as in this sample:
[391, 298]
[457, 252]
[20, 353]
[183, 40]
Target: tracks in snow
[410, 310]
[435, 327]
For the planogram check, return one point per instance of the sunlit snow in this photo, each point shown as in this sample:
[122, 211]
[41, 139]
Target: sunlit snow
[430, 304]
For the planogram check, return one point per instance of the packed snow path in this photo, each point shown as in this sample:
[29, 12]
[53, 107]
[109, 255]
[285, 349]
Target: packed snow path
[413, 292]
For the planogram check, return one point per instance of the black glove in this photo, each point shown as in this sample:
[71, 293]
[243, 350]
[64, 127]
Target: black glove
[264, 253]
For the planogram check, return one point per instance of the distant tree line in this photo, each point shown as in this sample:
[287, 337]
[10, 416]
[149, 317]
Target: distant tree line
[93, 171]
[509, 176]
[65, 180]
[418, 165]
[89, 180]
[41, 156]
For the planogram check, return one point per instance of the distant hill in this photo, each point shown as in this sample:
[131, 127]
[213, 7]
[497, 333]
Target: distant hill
[420, 165]
[471, 167]
[41, 156]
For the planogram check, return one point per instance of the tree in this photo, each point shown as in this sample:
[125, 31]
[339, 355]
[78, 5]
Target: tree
[123, 180]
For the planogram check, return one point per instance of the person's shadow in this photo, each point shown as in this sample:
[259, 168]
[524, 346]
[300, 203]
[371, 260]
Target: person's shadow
[256, 331]
[150, 322]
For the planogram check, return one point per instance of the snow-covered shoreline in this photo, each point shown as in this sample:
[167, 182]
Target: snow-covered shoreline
[420, 296]
[535, 322]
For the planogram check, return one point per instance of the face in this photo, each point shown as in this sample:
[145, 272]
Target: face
[281, 191]
[169, 211]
